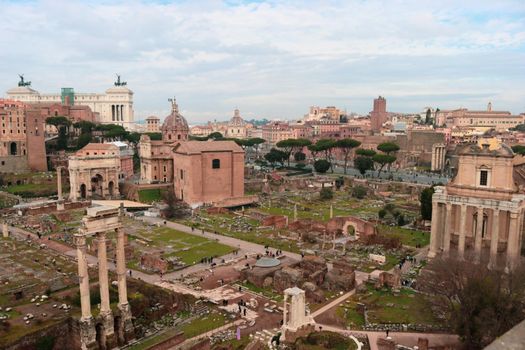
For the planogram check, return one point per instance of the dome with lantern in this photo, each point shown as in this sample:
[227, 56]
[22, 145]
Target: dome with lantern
[175, 126]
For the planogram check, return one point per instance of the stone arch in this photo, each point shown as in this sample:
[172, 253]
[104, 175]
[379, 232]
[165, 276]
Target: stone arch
[13, 149]
[83, 191]
[111, 188]
[97, 185]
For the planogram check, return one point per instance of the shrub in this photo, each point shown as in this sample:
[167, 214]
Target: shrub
[381, 213]
[326, 193]
[359, 192]
[321, 166]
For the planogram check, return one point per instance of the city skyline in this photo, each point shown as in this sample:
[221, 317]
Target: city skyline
[269, 59]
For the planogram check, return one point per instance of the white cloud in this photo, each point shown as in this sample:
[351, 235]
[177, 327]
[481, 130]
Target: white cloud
[272, 59]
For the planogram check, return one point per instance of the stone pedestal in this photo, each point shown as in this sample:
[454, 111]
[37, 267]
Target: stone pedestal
[126, 329]
[88, 334]
[109, 331]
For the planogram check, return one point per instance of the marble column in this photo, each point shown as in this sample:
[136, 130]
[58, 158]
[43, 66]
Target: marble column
[478, 238]
[87, 324]
[494, 239]
[5, 230]
[449, 226]
[434, 230]
[126, 328]
[60, 202]
[512, 242]
[105, 310]
[285, 309]
[295, 212]
[331, 211]
[462, 231]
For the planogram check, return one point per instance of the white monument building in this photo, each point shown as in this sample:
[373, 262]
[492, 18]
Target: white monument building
[114, 106]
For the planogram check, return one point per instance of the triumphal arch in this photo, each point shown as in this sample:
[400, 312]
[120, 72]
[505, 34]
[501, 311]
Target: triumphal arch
[94, 172]
[107, 330]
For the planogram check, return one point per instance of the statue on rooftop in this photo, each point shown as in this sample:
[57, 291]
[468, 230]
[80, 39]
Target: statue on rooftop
[120, 83]
[22, 82]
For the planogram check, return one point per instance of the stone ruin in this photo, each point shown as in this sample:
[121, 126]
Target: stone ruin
[311, 274]
[153, 261]
[310, 228]
[389, 279]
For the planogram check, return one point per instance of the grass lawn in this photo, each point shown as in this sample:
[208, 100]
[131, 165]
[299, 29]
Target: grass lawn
[33, 190]
[325, 340]
[150, 195]
[235, 344]
[267, 292]
[408, 237]
[384, 307]
[203, 324]
[156, 339]
[196, 253]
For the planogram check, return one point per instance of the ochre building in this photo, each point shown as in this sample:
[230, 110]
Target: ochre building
[479, 214]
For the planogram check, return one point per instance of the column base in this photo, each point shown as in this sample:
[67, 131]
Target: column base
[109, 329]
[88, 334]
[126, 329]
[60, 205]
[431, 254]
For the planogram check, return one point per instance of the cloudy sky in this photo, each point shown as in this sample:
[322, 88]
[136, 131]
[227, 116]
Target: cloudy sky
[272, 59]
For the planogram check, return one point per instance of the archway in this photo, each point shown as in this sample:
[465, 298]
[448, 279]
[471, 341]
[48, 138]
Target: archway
[13, 149]
[96, 185]
[111, 188]
[101, 336]
[83, 191]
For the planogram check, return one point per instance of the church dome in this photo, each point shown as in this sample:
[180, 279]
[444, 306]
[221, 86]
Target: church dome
[236, 119]
[175, 126]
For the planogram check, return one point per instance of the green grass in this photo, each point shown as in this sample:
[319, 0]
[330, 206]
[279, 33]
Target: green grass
[156, 339]
[203, 324]
[150, 195]
[267, 292]
[196, 253]
[33, 189]
[408, 237]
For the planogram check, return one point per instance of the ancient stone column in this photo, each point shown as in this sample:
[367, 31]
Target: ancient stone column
[512, 241]
[449, 222]
[284, 309]
[86, 323]
[462, 231]
[295, 212]
[126, 328]
[434, 230]
[331, 211]
[494, 239]
[60, 202]
[5, 230]
[478, 239]
[105, 309]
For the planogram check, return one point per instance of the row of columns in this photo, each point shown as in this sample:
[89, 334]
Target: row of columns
[438, 157]
[88, 332]
[443, 227]
[117, 112]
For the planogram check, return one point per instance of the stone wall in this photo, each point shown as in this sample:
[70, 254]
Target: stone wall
[65, 335]
[277, 221]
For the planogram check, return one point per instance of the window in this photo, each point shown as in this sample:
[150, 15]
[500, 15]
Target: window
[216, 164]
[483, 177]
[181, 174]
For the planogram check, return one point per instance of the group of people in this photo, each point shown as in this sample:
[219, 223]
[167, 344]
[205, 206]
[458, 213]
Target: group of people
[275, 254]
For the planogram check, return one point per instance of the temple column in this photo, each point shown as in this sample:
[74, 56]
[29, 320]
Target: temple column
[5, 230]
[512, 242]
[285, 309]
[462, 231]
[478, 239]
[60, 202]
[434, 230]
[126, 328]
[87, 324]
[494, 239]
[449, 222]
[105, 309]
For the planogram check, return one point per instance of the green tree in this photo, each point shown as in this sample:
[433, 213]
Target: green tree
[382, 160]
[86, 127]
[326, 193]
[62, 124]
[388, 147]
[292, 145]
[314, 150]
[381, 213]
[299, 156]
[327, 146]
[346, 146]
[363, 164]
[256, 142]
[275, 156]
[519, 149]
[365, 152]
[428, 117]
[425, 200]
[154, 136]
[321, 166]
[83, 140]
[215, 135]
[359, 192]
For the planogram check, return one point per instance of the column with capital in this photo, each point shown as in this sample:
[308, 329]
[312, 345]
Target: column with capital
[478, 239]
[494, 239]
[60, 202]
[462, 231]
[434, 230]
[105, 309]
[86, 323]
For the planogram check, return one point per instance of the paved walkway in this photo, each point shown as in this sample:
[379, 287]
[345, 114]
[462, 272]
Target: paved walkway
[333, 303]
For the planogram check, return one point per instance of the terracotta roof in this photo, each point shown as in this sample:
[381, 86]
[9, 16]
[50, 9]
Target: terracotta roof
[207, 146]
[99, 146]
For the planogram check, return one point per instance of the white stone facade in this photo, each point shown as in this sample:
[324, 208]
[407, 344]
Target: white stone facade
[115, 105]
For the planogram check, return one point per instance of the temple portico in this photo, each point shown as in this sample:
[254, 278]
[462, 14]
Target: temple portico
[99, 333]
[481, 210]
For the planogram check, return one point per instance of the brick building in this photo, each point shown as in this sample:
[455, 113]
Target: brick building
[379, 115]
[22, 139]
